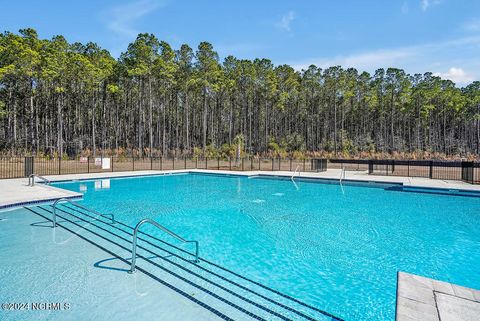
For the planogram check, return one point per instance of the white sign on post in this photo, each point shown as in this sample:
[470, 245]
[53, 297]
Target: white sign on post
[106, 163]
[98, 161]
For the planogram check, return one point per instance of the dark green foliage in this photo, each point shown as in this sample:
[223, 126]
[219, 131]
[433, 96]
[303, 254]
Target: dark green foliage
[57, 96]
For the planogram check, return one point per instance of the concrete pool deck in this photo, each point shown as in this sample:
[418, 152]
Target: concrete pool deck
[423, 299]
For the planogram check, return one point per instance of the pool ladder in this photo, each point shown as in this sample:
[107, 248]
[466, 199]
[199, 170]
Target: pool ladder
[164, 229]
[295, 171]
[112, 218]
[135, 232]
[342, 175]
[31, 179]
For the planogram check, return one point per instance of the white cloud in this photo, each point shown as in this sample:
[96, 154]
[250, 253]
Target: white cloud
[472, 25]
[121, 18]
[457, 75]
[285, 21]
[238, 49]
[425, 4]
[420, 58]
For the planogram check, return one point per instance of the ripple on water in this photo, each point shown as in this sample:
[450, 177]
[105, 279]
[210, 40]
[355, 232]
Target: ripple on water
[69, 283]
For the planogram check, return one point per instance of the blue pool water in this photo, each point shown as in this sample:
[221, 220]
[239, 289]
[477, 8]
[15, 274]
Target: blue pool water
[335, 247]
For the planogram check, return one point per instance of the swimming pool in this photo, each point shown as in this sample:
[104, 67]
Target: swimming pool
[334, 247]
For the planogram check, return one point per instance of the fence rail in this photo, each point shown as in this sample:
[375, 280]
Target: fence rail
[436, 169]
[16, 167]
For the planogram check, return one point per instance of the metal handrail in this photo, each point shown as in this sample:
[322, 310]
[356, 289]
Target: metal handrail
[31, 179]
[295, 171]
[342, 175]
[108, 215]
[148, 220]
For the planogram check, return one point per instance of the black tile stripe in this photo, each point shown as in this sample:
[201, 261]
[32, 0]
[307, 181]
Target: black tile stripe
[161, 267]
[19, 204]
[196, 265]
[188, 296]
[183, 268]
[286, 296]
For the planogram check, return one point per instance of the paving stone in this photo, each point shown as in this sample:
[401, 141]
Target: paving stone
[463, 292]
[443, 287]
[415, 310]
[453, 308]
[420, 294]
[424, 299]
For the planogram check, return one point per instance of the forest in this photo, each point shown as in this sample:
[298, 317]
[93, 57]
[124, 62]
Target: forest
[69, 99]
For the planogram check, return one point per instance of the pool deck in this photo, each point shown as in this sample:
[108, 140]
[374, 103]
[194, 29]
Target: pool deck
[16, 192]
[423, 299]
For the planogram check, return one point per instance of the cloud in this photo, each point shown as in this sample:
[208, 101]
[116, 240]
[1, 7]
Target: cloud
[239, 49]
[285, 21]
[425, 4]
[420, 58]
[457, 75]
[472, 25]
[363, 60]
[121, 18]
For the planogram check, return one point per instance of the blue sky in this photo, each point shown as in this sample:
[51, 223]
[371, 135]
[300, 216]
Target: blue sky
[441, 36]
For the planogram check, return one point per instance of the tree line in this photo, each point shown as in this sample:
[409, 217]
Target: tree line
[68, 98]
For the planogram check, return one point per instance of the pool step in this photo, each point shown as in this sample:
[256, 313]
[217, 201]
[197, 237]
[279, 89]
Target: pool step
[234, 295]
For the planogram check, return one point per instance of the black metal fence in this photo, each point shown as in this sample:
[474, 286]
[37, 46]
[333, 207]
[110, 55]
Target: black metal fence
[16, 167]
[448, 170]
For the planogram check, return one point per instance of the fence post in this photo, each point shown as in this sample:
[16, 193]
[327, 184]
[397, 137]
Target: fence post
[161, 163]
[251, 164]
[59, 165]
[28, 167]
[88, 164]
[273, 162]
[290, 164]
[196, 162]
[218, 163]
[431, 169]
[111, 163]
[173, 161]
[151, 162]
[185, 162]
[206, 162]
[370, 166]
[229, 163]
[408, 168]
[304, 164]
[243, 159]
[133, 163]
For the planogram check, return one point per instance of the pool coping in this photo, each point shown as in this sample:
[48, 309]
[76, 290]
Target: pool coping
[38, 202]
[417, 299]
